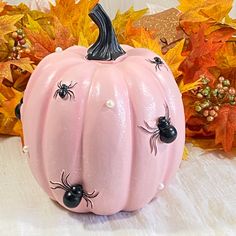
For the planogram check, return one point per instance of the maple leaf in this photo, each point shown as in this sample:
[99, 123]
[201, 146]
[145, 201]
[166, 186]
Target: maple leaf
[174, 58]
[144, 40]
[9, 98]
[75, 16]
[122, 20]
[203, 11]
[224, 127]
[226, 56]
[201, 55]
[5, 67]
[7, 25]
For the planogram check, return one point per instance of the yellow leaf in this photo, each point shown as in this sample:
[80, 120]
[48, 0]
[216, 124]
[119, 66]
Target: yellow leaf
[174, 58]
[122, 19]
[7, 25]
[9, 98]
[2, 5]
[5, 67]
[189, 86]
[75, 16]
[185, 154]
[146, 41]
[213, 11]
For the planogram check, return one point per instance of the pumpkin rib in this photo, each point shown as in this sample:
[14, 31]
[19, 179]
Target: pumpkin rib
[50, 94]
[133, 79]
[131, 108]
[36, 125]
[82, 132]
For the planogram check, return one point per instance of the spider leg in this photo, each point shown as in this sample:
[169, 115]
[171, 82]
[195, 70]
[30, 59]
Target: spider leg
[72, 86]
[66, 180]
[155, 144]
[59, 185]
[158, 65]
[59, 84]
[71, 93]
[88, 201]
[145, 130]
[152, 142]
[148, 126]
[150, 61]
[91, 195]
[56, 93]
[63, 180]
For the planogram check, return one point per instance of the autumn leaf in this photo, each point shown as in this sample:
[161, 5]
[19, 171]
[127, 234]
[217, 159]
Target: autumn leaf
[174, 58]
[2, 5]
[75, 16]
[201, 56]
[213, 11]
[185, 154]
[122, 20]
[189, 86]
[9, 98]
[226, 56]
[144, 40]
[224, 127]
[22, 63]
[7, 25]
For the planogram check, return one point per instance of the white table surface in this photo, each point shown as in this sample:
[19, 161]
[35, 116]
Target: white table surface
[200, 201]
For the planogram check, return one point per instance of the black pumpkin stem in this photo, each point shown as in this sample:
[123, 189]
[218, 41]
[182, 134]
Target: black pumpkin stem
[106, 48]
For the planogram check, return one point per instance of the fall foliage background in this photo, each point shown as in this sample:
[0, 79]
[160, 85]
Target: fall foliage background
[202, 59]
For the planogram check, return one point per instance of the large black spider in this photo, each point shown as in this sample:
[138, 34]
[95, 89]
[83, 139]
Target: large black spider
[158, 62]
[73, 193]
[65, 90]
[163, 130]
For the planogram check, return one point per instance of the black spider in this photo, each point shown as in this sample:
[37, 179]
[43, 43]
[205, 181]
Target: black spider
[73, 193]
[65, 90]
[163, 129]
[17, 109]
[158, 62]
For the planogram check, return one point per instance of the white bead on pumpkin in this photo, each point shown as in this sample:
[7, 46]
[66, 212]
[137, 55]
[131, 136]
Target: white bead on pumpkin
[110, 103]
[58, 49]
[25, 149]
[161, 186]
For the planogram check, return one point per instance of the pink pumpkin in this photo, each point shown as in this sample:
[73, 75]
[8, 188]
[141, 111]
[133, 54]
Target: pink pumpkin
[106, 132]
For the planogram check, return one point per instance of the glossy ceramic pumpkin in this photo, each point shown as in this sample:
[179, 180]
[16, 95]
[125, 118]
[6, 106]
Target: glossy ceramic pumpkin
[91, 125]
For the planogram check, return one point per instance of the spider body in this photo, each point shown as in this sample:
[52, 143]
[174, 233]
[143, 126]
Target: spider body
[163, 130]
[17, 109]
[64, 91]
[73, 193]
[157, 61]
[167, 132]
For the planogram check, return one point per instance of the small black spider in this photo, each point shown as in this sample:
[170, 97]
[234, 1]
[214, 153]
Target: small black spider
[163, 129]
[158, 62]
[17, 109]
[73, 193]
[64, 90]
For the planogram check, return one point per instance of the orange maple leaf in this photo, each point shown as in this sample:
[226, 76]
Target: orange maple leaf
[224, 127]
[201, 54]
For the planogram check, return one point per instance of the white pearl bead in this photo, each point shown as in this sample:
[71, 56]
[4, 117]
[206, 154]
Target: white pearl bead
[58, 49]
[110, 103]
[25, 149]
[161, 186]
